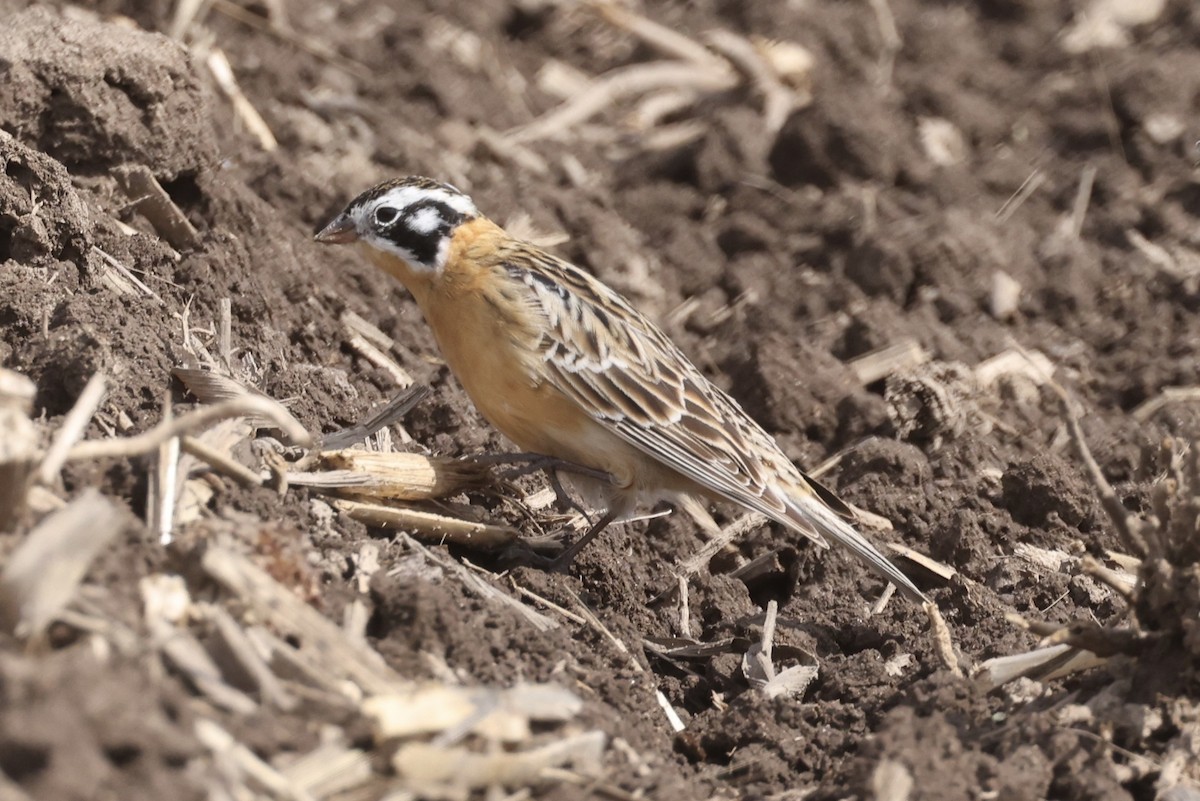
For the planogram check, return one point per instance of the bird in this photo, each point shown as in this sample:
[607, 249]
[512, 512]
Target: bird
[566, 367]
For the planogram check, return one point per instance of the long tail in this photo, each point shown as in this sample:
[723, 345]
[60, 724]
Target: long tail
[809, 513]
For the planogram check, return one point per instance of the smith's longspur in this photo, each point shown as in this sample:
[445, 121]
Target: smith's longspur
[566, 367]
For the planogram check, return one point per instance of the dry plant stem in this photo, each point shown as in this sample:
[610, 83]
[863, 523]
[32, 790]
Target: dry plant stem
[223, 744]
[1083, 198]
[1030, 185]
[882, 362]
[942, 571]
[611, 87]
[1117, 582]
[760, 565]
[1097, 639]
[225, 333]
[363, 347]
[124, 447]
[480, 587]
[685, 616]
[41, 576]
[884, 598]
[222, 73]
[778, 100]
[525, 592]
[164, 486]
[761, 669]
[354, 322]
[321, 639]
[311, 46]
[237, 648]
[672, 716]
[221, 462]
[890, 35]
[943, 643]
[665, 40]
[1169, 395]
[153, 203]
[429, 527]
[1042, 664]
[394, 475]
[592, 787]
[600, 627]
[738, 528]
[1128, 527]
[186, 13]
[73, 427]
[182, 651]
[127, 274]
[19, 449]
[330, 770]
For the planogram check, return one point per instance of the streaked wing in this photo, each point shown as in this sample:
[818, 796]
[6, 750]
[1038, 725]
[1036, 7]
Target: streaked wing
[616, 364]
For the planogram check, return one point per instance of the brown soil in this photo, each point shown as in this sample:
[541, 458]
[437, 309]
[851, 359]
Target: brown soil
[836, 237]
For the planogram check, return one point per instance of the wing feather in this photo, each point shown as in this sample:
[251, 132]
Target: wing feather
[624, 371]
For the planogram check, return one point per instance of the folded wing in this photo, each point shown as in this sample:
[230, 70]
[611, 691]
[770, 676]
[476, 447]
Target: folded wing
[615, 363]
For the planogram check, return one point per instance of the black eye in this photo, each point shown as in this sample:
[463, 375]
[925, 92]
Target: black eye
[386, 215]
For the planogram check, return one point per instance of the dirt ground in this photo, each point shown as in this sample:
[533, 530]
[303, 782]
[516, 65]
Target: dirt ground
[946, 144]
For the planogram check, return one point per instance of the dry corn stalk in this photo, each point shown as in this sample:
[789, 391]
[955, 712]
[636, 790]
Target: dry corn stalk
[398, 476]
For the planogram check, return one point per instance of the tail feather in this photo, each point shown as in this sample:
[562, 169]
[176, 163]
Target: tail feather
[808, 512]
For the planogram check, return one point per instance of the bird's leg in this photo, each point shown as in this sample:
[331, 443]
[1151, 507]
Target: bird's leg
[563, 498]
[552, 467]
[563, 561]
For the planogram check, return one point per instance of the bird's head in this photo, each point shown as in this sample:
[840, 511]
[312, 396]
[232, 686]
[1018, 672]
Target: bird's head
[412, 219]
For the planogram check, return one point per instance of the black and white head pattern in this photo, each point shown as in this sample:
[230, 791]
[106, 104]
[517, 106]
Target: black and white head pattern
[413, 218]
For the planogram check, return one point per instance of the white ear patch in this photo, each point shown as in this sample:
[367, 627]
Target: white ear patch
[425, 221]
